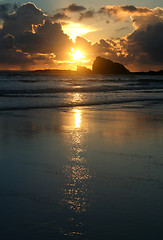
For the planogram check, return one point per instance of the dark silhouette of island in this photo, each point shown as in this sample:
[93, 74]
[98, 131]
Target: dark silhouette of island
[106, 66]
[100, 66]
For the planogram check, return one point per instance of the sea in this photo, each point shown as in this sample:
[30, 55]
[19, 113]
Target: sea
[27, 90]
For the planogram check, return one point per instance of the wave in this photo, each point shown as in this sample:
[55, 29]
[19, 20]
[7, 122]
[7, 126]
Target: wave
[21, 92]
[72, 80]
[148, 101]
[77, 89]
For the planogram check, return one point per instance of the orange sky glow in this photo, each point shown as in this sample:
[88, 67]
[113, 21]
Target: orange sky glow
[76, 35]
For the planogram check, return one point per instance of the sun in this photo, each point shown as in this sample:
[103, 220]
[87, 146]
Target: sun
[76, 54]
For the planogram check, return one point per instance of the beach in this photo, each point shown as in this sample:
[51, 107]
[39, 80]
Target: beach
[81, 173]
[81, 120]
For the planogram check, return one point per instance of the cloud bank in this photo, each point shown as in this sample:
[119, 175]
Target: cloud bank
[140, 50]
[31, 39]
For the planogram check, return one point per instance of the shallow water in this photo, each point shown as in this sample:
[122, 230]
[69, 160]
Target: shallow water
[81, 173]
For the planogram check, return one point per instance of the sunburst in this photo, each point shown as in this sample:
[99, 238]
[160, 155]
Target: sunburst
[76, 54]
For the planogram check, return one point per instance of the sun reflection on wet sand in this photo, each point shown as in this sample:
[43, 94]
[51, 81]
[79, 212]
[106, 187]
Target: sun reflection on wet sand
[77, 114]
[78, 177]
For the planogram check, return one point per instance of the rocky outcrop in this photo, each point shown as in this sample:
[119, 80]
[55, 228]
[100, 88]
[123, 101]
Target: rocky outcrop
[83, 70]
[106, 66]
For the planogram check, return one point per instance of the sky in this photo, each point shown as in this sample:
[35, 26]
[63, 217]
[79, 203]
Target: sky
[65, 34]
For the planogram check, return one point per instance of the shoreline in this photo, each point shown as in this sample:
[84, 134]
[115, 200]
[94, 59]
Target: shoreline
[59, 72]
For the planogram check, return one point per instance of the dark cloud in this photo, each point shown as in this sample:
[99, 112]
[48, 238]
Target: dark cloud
[87, 14]
[74, 8]
[122, 9]
[147, 42]
[28, 32]
[103, 48]
[60, 16]
[4, 9]
[104, 43]
[15, 6]
[7, 42]
[23, 19]
[11, 57]
[129, 8]
[133, 9]
[48, 38]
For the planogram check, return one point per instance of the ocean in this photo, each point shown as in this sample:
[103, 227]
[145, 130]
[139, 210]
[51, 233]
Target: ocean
[24, 90]
[81, 157]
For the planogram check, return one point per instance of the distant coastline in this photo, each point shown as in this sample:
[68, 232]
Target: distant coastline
[59, 72]
[101, 66]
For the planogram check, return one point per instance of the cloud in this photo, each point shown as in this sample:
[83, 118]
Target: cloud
[28, 32]
[133, 9]
[83, 44]
[48, 38]
[87, 14]
[74, 8]
[4, 8]
[23, 19]
[12, 59]
[60, 16]
[142, 21]
[126, 9]
[121, 29]
[104, 48]
[148, 42]
[120, 13]
[140, 50]
[7, 42]
[30, 38]
[129, 8]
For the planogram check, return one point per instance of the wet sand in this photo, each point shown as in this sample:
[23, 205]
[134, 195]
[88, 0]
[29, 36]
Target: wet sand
[81, 174]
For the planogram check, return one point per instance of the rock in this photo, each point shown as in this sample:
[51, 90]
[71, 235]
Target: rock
[106, 66]
[83, 70]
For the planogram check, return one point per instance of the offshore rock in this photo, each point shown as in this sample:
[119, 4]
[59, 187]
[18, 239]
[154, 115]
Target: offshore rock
[83, 70]
[106, 66]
